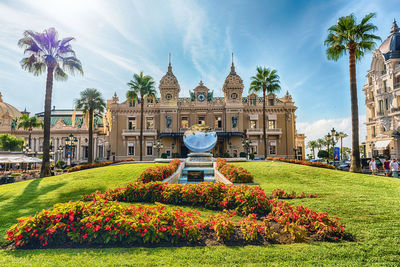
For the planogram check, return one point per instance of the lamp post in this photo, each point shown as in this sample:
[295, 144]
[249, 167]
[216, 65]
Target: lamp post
[158, 145]
[332, 138]
[71, 141]
[60, 149]
[246, 146]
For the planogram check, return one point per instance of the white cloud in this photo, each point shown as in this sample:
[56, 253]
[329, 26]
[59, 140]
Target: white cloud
[318, 129]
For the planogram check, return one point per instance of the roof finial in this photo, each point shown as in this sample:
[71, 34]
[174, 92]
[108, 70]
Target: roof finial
[169, 63]
[395, 28]
[1, 97]
[233, 66]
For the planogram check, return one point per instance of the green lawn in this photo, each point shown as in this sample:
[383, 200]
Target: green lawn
[369, 206]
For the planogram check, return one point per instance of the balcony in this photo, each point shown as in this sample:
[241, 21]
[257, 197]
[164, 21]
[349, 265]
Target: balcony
[395, 109]
[380, 113]
[371, 119]
[369, 99]
[276, 131]
[146, 132]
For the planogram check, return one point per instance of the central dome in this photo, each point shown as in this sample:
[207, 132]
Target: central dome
[390, 48]
[8, 110]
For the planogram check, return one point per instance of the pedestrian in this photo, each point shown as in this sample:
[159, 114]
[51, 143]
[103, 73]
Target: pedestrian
[372, 166]
[386, 167]
[395, 168]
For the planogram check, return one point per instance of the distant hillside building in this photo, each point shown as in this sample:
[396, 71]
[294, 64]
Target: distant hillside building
[233, 117]
[382, 98]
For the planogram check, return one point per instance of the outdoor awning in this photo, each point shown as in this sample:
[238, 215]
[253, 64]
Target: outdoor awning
[381, 145]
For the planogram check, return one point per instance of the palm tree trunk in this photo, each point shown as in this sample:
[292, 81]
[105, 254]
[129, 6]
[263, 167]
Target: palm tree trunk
[264, 126]
[141, 127]
[29, 138]
[355, 152]
[45, 170]
[90, 146]
[341, 148]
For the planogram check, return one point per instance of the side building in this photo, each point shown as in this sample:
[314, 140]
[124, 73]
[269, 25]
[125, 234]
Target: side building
[64, 122]
[233, 117]
[382, 98]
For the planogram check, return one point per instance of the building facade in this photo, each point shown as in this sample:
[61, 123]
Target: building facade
[63, 123]
[233, 117]
[382, 98]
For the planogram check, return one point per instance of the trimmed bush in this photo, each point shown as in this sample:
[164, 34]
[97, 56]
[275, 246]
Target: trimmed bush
[243, 199]
[303, 162]
[281, 194]
[159, 173]
[96, 165]
[233, 173]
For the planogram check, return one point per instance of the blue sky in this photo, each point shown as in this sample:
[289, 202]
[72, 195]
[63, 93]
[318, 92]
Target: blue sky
[114, 39]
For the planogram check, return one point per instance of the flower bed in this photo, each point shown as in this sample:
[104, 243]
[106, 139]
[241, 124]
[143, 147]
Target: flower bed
[281, 194]
[301, 222]
[243, 199]
[159, 173]
[233, 173]
[95, 165]
[303, 162]
[100, 223]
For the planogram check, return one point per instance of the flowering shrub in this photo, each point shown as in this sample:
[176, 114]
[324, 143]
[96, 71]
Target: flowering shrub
[95, 165]
[302, 162]
[233, 173]
[281, 194]
[243, 199]
[102, 222]
[301, 222]
[159, 173]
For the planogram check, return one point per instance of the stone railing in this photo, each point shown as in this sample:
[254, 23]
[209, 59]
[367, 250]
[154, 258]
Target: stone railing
[174, 178]
[219, 177]
[136, 132]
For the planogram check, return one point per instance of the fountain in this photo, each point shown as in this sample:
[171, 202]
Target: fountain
[199, 165]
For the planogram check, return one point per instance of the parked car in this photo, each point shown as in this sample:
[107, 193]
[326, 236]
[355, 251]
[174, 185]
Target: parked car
[344, 167]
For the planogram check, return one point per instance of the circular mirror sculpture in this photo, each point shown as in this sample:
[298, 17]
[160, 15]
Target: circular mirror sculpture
[200, 138]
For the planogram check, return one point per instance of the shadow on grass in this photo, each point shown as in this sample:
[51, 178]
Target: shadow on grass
[27, 202]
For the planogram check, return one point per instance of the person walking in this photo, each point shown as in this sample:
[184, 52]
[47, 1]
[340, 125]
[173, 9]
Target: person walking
[372, 166]
[386, 167]
[395, 168]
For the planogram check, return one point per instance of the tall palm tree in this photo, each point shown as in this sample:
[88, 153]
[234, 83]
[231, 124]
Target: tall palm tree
[91, 102]
[313, 144]
[141, 86]
[266, 80]
[321, 143]
[46, 53]
[28, 123]
[356, 39]
[341, 136]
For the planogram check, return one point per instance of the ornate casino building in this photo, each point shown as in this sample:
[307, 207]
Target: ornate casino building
[233, 116]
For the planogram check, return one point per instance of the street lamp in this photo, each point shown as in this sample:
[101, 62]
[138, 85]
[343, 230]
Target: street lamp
[71, 141]
[158, 145]
[295, 152]
[246, 145]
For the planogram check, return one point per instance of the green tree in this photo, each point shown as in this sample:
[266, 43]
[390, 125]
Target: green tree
[321, 143]
[313, 144]
[267, 81]
[323, 154]
[11, 143]
[46, 53]
[91, 102]
[141, 86]
[346, 36]
[28, 124]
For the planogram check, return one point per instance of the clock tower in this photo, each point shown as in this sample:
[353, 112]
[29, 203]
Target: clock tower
[233, 87]
[169, 88]
[200, 94]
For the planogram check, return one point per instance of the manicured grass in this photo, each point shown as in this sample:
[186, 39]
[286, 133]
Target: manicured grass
[369, 206]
